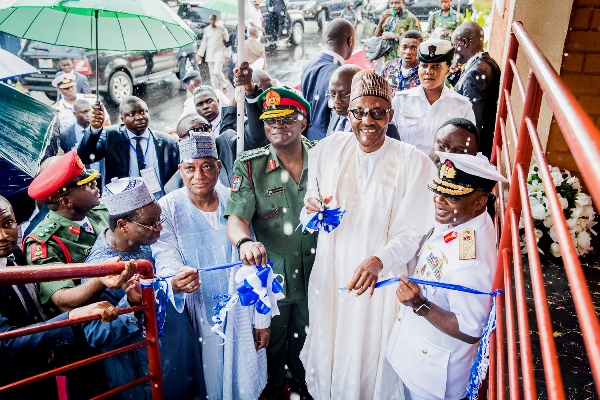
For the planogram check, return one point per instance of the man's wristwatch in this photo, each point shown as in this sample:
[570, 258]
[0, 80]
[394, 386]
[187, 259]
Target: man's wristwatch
[242, 241]
[423, 309]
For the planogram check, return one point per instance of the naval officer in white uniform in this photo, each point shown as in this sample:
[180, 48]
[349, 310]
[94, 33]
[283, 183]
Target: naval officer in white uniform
[435, 336]
[420, 111]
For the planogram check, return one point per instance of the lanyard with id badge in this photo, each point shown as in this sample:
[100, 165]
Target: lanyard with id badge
[149, 175]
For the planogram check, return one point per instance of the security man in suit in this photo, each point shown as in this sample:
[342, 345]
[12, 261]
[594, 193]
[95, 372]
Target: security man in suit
[437, 329]
[316, 74]
[268, 191]
[131, 149]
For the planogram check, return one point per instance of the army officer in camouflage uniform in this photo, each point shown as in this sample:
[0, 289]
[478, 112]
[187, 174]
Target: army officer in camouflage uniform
[268, 190]
[68, 231]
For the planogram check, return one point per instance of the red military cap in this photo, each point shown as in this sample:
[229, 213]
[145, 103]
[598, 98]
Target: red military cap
[67, 172]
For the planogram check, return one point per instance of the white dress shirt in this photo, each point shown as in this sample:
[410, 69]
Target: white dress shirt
[418, 121]
[336, 56]
[216, 125]
[189, 107]
[149, 156]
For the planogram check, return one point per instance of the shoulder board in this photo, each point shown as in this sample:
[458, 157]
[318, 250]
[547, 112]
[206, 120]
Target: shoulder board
[44, 231]
[89, 95]
[54, 105]
[256, 153]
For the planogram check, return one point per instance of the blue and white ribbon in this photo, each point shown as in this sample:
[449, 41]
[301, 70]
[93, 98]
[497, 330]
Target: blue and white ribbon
[161, 296]
[480, 366]
[256, 285]
[325, 220]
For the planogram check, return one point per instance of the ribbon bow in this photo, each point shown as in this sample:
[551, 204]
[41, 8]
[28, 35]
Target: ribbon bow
[324, 220]
[256, 285]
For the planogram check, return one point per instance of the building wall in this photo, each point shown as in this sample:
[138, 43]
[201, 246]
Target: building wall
[580, 70]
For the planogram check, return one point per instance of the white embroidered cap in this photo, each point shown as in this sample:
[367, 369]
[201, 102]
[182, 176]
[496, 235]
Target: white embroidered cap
[125, 195]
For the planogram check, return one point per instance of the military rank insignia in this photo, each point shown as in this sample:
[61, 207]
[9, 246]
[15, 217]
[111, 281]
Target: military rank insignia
[450, 236]
[272, 165]
[467, 245]
[39, 252]
[237, 183]
[74, 230]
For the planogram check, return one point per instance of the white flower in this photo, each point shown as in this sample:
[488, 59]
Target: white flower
[533, 169]
[576, 212]
[557, 177]
[571, 222]
[548, 223]
[538, 233]
[582, 199]
[539, 212]
[588, 211]
[555, 249]
[584, 240]
[574, 182]
[564, 203]
[533, 201]
[553, 235]
[535, 187]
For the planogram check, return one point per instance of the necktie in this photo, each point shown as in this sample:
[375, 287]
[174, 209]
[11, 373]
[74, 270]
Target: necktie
[342, 125]
[139, 154]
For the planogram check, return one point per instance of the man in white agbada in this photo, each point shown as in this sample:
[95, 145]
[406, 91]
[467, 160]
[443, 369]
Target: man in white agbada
[194, 236]
[381, 183]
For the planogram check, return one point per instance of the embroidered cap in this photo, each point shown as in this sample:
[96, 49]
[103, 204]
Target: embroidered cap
[462, 174]
[125, 195]
[278, 102]
[435, 51]
[66, 172]
[199, 145]
[369, 83]
[64, 81]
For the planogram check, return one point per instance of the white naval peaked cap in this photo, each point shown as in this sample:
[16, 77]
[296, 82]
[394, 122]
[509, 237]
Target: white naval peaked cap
[478, 165]
[435, 50]
[64, 80]
[125, 195]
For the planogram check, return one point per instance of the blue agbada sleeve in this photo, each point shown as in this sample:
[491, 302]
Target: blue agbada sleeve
[110, 334]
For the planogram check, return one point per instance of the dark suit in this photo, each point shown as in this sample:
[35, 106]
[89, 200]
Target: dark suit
[83, 84]
[113, 145]
[315, 86]
[68, 139]
[26, 356]
[480, 82]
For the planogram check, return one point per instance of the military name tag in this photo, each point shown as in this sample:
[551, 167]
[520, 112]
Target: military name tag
[275, 190]
[467, 245]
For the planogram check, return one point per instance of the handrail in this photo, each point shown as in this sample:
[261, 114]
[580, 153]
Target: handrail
[583, 140]
[47, 273]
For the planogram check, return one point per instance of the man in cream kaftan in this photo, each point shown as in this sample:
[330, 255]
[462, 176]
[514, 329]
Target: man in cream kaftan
[388, 213]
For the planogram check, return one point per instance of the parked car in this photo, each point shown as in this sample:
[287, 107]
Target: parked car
[119, 71]
[293, 30]
[320, 10]
[420, 8]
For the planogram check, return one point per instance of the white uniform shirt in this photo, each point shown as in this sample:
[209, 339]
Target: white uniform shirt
[444, 362]
[65, 110]
[149, 156]
[418, 121]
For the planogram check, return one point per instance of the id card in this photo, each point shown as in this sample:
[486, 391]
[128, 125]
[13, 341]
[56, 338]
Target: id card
[150, 178]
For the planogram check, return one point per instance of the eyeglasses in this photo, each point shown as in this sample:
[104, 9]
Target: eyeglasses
[375, 113]
[152, 227]
[337, 96]
[202, 128]
[289, 121]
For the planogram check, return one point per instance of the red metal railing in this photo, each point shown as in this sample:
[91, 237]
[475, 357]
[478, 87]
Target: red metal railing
[583, 139]
[31, 274]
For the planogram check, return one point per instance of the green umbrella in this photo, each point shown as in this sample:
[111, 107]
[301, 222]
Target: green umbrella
[224, 6]
[121, 25]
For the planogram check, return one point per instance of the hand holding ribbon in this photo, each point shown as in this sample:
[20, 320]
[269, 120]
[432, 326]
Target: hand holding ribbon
[256, 285]
[320, 217]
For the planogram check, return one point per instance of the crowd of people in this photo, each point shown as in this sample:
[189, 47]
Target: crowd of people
[404, 151]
